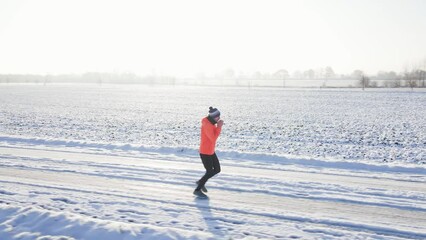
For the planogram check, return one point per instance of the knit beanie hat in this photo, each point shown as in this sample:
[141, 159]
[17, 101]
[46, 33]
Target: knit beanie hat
[214, 112]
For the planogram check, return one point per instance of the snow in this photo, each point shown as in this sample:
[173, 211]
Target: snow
[382, 125]
[119, 162]
[33, 223]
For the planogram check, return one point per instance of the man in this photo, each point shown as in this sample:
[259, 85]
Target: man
[211, 126]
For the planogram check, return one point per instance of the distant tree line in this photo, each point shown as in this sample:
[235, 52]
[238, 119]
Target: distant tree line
[413, 78]
[416, 77]
[90, 77]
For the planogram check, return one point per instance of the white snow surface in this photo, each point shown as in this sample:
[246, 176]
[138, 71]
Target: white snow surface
[380, 125]
[119, 162]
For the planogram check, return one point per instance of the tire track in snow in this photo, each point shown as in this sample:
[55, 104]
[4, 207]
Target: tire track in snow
[297, 195]
[306, 181]
[176, 165]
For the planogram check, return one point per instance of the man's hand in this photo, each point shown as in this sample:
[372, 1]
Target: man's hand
[220, 123]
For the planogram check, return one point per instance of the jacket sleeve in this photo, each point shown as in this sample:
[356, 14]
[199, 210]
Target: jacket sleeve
[217, 131]
[212, 132]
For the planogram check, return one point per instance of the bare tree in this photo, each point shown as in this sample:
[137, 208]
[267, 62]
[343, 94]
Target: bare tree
[309, 74]
[396, 83]
[410, 79]
[281, 74]
[424, 73]
[364, 81]
[421, 77]
[329, 73]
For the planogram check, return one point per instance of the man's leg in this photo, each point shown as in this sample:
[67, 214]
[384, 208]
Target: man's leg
[216, 164]
[208, 165]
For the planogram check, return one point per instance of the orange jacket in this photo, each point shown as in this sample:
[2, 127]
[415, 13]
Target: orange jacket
[209, 135]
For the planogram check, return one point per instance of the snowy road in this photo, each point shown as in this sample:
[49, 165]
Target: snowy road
[154, 191]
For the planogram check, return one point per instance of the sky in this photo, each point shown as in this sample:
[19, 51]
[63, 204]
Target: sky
[187, 37]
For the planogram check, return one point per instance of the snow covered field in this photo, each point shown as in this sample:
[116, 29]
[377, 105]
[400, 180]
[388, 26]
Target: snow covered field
[120, 162]
[375, 125]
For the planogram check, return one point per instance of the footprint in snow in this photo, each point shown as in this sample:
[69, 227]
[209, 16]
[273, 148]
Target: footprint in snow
[65, 200]
[294, 237]
[131, 211]
[6, 192]
[40, 193]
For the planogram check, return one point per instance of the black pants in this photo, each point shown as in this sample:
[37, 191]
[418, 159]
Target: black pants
[212, 166]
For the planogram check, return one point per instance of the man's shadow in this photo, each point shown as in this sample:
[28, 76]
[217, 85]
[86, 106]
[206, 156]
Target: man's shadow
[213, 227]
